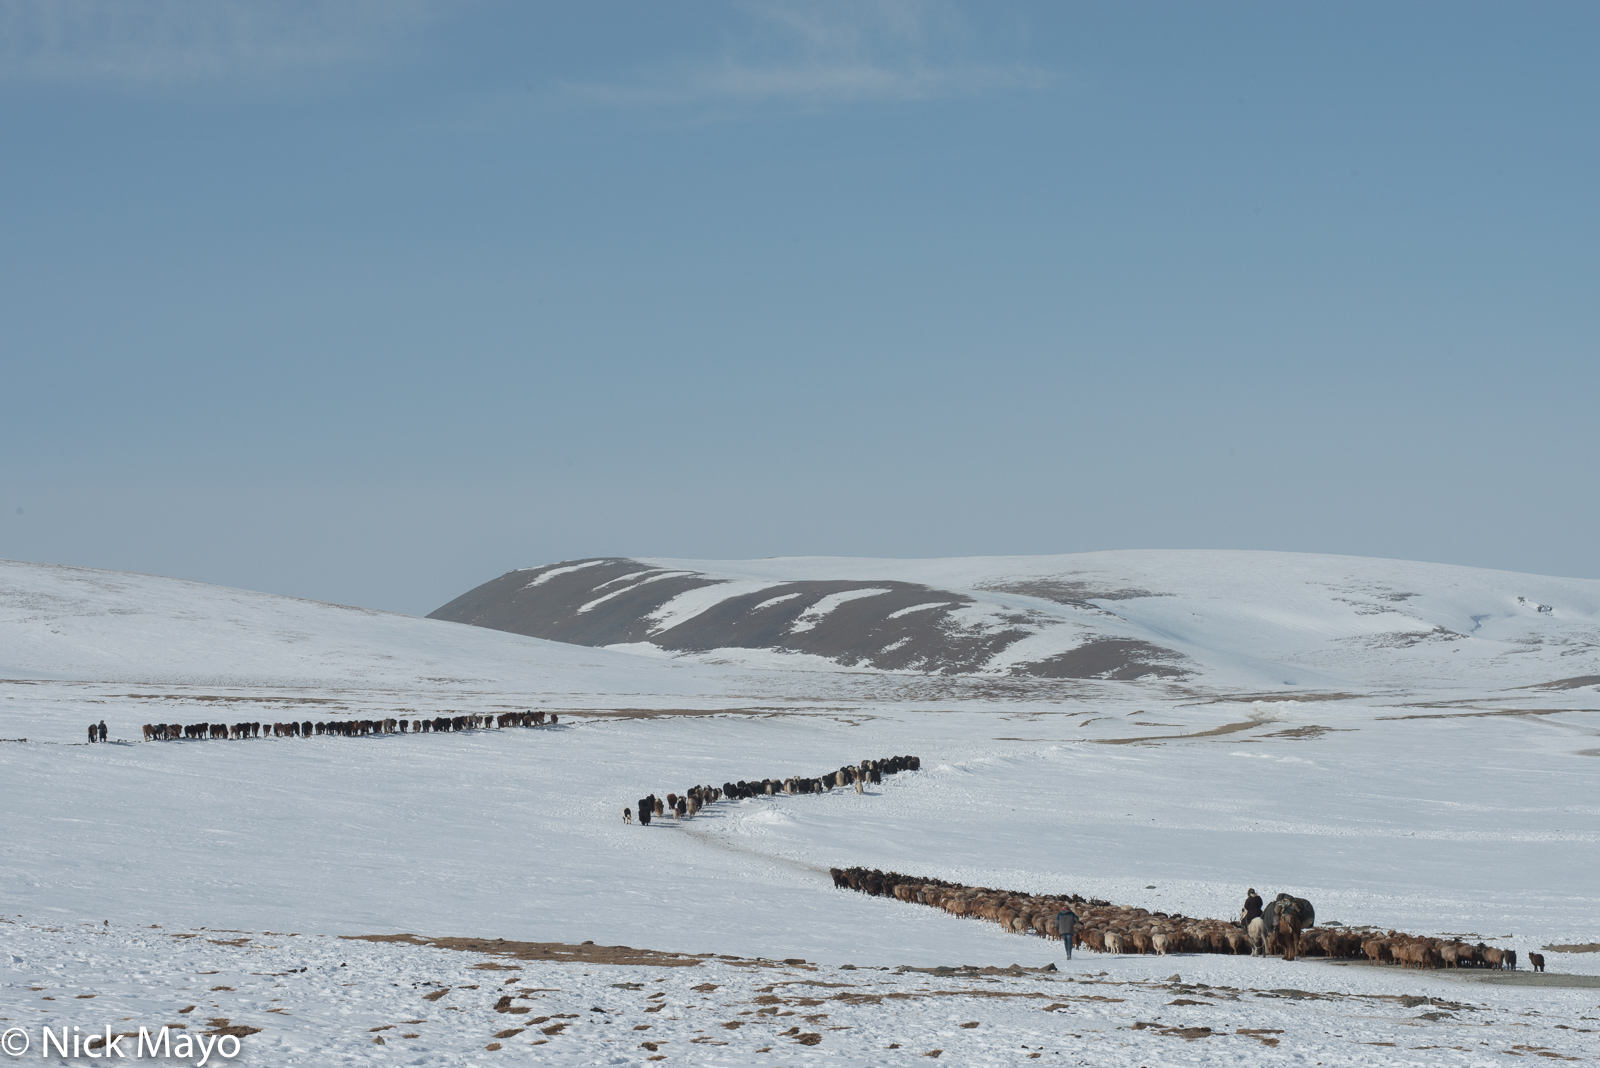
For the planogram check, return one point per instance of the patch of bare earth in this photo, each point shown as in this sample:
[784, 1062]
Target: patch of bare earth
[1214, 732]
[560, 952]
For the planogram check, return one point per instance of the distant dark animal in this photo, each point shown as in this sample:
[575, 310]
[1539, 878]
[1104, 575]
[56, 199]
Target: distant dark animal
[661, 807]
[93, 733]
[627, 815]
[647, 807]
[1537, 960]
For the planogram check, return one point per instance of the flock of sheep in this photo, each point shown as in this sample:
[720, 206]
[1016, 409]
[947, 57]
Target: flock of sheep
[690, 802]
[1107, 928]
[344, 728]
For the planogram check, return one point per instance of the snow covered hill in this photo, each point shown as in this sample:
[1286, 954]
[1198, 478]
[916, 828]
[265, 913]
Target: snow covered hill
[1231, 619]
[89, 625]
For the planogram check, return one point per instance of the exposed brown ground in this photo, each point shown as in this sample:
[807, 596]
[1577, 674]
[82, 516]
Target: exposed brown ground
[1494, 712]
[1226, 728]
[1310, 730]
[563, 952]
[556, 951]
[1522, 977]
[1283, 695]
[1566, 684]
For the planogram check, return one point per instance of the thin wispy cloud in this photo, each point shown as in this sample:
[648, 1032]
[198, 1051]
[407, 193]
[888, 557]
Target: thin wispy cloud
[185, 41]
[820, 54]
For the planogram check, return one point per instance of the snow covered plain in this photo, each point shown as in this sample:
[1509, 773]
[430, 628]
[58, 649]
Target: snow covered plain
[1468, 808]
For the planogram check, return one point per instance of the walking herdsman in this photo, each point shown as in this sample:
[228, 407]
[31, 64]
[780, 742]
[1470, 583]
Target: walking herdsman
[1066, 923]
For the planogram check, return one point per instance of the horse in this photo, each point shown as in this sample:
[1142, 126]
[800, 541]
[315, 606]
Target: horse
[1257, 935]
[1269, 916]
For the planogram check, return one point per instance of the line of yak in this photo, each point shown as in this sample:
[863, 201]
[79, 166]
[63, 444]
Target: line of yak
[689, 803]
[1287, 925]
[344, 728]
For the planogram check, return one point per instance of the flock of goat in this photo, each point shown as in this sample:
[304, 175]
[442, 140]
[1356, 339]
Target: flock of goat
[1107, 928]
[344, 728]
[690, 802]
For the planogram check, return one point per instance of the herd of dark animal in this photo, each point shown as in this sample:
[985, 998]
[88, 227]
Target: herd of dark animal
[343, 728]
[1286, 925]
[693, 799]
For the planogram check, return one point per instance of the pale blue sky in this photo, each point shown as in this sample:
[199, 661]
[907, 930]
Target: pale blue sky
[370, 302]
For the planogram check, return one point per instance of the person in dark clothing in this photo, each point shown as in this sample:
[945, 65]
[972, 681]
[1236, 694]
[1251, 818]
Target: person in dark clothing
[1252, 907]
[102, 730]
[1066, 923]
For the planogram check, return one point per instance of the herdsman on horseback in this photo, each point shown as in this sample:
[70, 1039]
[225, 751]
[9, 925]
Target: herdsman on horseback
[1277, 925]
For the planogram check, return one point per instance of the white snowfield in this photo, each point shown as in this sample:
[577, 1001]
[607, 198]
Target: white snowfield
[1462, 804]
